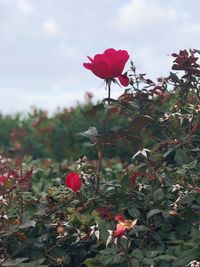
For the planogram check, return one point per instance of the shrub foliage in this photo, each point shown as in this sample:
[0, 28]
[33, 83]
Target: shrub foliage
[138, 160]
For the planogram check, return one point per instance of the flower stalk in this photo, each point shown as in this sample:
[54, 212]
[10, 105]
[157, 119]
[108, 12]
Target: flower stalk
[108, 83]
[125, 252]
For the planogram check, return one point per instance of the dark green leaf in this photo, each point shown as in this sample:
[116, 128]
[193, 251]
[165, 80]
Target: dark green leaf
[153, 212]
[158, 195]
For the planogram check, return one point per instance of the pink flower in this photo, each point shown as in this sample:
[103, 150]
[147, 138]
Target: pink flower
[109, 65]
[73, 181]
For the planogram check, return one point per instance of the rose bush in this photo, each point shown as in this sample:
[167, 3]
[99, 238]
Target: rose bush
[140, 212]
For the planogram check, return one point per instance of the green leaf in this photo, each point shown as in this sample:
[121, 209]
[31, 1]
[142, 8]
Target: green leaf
[174, 77]
[181, 156]
[91, 133]
[140, 121]
[17, 262]
[125, 182]
[134, 212]
[90, 262]
[108, 251]
[158, 195]
[148, 261]
[27, 224]
[103, 228]
[153, 253]
[141, 228]
[188, 199]
[135, 263]
[191, 165]
[186, 256]
[153, 212]
[138, 254]
[167, 258]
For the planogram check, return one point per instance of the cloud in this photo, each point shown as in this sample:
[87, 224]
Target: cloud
[138, 13]
[25, 6]
[44, 43]
[151, 30]
[156, 18]
[50, 28]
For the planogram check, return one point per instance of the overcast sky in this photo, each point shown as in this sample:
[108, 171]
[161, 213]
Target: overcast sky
[43, 44]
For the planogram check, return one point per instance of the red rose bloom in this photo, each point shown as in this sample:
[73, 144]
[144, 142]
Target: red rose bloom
[109, 65]
[119, 231]
[119, 218]
[73, 181]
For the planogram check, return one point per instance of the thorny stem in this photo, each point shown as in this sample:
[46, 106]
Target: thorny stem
[124, 250]
[21, 203]
[100, 157]
[100, 153]
[133, 68]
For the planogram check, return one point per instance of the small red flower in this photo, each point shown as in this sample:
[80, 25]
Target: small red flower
[119, 218]
[133, 178]
[109, 65]
[73, 181]
[123, 225]
[2, 179]
[119, 231]
[105, 214]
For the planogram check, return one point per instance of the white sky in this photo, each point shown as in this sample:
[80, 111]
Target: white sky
[43, 44]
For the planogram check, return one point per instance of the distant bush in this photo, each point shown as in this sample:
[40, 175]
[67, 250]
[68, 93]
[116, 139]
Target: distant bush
[40, 136]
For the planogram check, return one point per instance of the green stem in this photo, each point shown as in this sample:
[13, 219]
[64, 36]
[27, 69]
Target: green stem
[100, 157]
[80, 197]
[122, 248]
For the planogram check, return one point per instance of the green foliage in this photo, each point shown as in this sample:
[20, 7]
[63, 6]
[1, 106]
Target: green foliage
[139, 162]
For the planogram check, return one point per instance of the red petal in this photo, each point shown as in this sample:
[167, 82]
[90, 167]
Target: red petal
[116, 61]
[90, 58]
[88, 66]
[73, 181]
[2, 179]
[109, 50]
[124, 80]
[119, 231]
[119, 218]
[100, 67]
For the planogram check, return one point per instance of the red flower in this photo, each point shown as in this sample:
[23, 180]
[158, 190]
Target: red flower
[119, 218]
[133, 178]
[109, 65]
[119, 231]
[2, 179]
[105, 214]
[73, 181]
